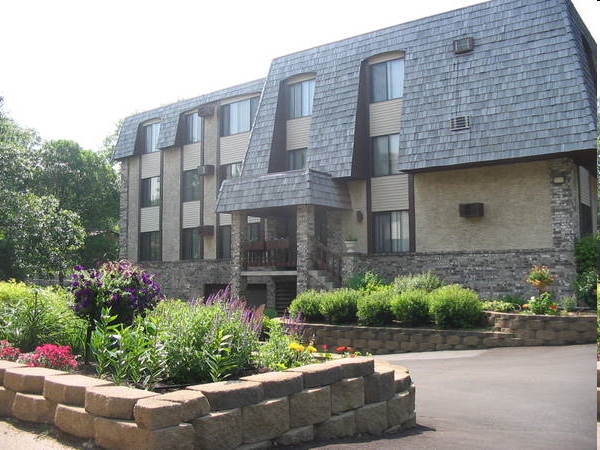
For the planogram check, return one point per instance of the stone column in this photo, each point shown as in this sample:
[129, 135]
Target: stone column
[564, 204]
[238, 242]
[305, 233]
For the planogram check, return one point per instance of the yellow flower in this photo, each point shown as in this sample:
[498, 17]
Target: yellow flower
[296, 346]
[311, 349]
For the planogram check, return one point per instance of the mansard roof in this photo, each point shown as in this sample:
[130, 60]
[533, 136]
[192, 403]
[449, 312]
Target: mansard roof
[296, 187]
[527, 88]
[169, 117]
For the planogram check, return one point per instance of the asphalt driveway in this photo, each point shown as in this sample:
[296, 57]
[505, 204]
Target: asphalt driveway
[524, 398]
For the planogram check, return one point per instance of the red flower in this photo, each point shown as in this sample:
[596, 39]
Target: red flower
[341, 349]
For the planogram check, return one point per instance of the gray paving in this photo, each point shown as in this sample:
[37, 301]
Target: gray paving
[498, 399]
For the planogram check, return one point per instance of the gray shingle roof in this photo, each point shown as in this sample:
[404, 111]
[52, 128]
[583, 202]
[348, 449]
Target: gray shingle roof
[298, 187]
[169, 117]
[525, 87]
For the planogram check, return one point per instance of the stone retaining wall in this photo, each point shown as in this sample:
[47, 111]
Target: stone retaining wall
[320, 401]
[512, 330]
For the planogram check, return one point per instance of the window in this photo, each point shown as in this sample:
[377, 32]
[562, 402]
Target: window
[192, 128]
[225, 241]
[150, 246]
[150, 137]
[296, 159]
[228, 171]
[391, 232]
[150, 192]
[191, 185]
[387, 80]
[253, 232]
[300, 99]
[385, 155]
[190, 243]
[237, 117]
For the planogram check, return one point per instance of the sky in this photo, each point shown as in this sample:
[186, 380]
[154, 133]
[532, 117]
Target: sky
[71, 69]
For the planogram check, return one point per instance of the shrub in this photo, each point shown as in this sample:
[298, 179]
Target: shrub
[586, 253]
[543, 304]
[454, 306]
[307, 304]
[499, 306]
[31, 316]
[375, 308]
[366, 281]
[339, 306]
[427, 281]
[585, 287]
[411, 307]
[208, 340]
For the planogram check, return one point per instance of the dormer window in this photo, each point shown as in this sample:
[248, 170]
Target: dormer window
[192, 129]
[149, 136]
[237, 117]
[300, 98]
[387, 80]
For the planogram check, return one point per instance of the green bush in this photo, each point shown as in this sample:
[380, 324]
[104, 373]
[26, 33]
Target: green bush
[586, 253]
[31, 316]
[427, 281]
[454, 306]
[585, 288]
[339, 306]
[307, 304]
[366, 281]
[375, 308]
[499, 306]
[411, 307]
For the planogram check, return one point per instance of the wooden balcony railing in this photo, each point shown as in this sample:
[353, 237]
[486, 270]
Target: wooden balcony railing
[276, 253]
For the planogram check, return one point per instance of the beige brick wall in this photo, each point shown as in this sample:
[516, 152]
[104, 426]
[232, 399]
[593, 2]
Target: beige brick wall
[171, 204]
[210, 142]
[516, 199]
[133, 208]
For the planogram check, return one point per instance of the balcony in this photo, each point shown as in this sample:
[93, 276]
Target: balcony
[274, 255]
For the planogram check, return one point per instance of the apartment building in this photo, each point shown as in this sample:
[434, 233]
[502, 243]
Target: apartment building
[462, 143]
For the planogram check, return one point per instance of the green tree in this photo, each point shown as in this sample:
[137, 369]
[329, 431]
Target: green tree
[83, 181]
[37, 236]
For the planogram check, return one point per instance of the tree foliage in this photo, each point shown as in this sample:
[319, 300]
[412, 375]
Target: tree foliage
[57, 201]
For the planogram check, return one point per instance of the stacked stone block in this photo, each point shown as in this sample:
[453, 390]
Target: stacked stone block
[319, 401]
[509, 330]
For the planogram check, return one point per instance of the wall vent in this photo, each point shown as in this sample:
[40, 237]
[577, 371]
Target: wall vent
[470, 209]
[460, 123]
[206, 110]
[463, 45]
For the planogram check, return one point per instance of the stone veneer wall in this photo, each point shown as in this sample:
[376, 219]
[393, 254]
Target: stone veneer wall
[490, 273]
[320, 401]
[510, 330]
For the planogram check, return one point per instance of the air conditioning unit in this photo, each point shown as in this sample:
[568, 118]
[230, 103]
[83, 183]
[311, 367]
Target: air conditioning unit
[205, 171]
[464, 45]
[207, 230]
[470, 209]
[460, 123]
[206, 110]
